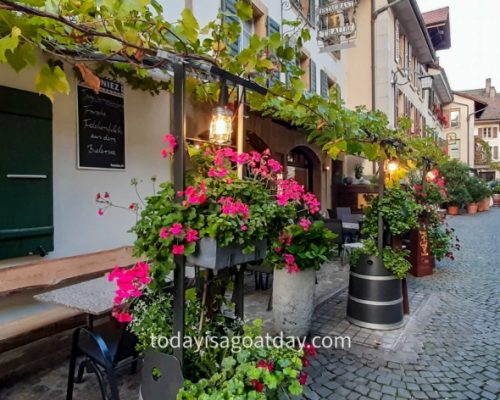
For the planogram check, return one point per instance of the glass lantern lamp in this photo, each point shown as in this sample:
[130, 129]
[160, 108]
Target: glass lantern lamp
[221, 126]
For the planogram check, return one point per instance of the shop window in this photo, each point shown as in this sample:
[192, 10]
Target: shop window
[26, 215]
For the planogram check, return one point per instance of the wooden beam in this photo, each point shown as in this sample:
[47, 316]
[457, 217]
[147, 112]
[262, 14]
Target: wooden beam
[52, 272]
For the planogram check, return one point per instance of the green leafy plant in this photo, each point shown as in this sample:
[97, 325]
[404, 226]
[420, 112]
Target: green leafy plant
[458, 196]
[306, 245]
[400, 212]
[153, 319]
[256, 372]
[358, 171]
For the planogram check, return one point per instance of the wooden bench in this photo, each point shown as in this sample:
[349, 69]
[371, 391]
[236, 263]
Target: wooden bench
[50, 274]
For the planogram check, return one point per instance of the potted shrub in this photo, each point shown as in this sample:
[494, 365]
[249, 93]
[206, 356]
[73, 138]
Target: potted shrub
[475, 188]
[455, 174]
[255, 372]
[496, 196]
[484, 203]
[457, 197]
[375, 294]
[297, 254]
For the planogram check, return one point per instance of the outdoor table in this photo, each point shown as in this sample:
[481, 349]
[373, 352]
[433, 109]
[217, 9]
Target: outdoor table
[351, 225]
[93, 297]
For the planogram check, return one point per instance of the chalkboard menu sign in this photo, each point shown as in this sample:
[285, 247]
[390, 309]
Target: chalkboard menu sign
[101, 126]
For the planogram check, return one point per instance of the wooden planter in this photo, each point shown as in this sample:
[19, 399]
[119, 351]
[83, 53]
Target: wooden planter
[472, 208]
[375, 298]
[210, 255]
[421, 257]
[453, 210]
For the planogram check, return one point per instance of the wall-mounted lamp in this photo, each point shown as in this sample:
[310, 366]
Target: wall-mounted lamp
[221, 125]
[425, 80]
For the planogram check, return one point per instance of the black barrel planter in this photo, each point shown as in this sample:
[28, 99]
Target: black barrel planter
[375, 298]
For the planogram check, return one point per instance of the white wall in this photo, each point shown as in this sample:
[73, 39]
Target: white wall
[77, 227]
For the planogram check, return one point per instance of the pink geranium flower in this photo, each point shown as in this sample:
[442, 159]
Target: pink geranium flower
[305, 223]
[176, 229]
[178, 249]
[164, 233]
[192, 235]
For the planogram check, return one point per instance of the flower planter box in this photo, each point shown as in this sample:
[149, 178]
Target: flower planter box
[375, 298]
[210, 255]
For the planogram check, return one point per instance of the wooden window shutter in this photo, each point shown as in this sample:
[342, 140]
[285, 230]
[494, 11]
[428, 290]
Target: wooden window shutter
[480, 132]
[323, 83]
[230, 6]
[312, 76]
[495, 132]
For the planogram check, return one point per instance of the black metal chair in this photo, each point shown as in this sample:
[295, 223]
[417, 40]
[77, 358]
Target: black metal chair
[335, 225]
[161, 376]
[104, 351]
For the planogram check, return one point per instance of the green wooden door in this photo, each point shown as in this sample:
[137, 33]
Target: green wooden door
[26, 215]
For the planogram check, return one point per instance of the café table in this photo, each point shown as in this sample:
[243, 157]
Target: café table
[93, 297]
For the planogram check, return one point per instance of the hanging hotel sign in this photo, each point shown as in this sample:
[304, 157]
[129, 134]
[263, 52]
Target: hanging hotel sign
[337, 22]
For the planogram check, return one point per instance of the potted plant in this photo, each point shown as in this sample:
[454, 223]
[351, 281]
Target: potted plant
[496, 196]
[255, 372]
[456, 174]
[475, 188]
[457, 197]
[297, 253]
[358, 171]
[484, 203]
[375, 294]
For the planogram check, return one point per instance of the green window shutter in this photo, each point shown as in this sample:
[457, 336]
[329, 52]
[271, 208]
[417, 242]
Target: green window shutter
[229, 6]
[312, 11]
[26, 215]
[324, 84]
[273, 27]
[312, 76]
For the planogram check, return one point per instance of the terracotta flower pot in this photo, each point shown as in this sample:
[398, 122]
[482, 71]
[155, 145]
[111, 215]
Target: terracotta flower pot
[472, 208]
[496, 200]
[453, 210]
[481, 206]
[487, 203]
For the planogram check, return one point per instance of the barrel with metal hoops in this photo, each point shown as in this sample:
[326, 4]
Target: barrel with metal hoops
[375, 299]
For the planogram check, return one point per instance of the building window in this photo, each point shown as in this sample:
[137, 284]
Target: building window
[487, 133]
[494, 152]
[454, 119]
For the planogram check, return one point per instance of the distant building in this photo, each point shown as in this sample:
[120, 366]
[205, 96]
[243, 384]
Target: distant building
[486, 119]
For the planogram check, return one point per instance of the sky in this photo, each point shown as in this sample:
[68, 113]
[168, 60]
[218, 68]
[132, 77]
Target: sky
[475, 42]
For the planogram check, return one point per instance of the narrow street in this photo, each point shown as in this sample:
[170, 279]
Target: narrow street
[450, 349]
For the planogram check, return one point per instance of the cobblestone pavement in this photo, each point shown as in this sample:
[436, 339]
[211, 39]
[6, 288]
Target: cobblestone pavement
[450, 348]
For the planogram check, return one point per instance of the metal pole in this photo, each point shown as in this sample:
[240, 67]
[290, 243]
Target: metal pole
[381, 184]
[179, 128]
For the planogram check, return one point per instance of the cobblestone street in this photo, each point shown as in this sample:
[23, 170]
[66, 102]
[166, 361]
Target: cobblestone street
[449, 348]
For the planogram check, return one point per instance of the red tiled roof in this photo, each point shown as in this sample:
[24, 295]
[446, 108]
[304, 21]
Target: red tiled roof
[436, 16]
